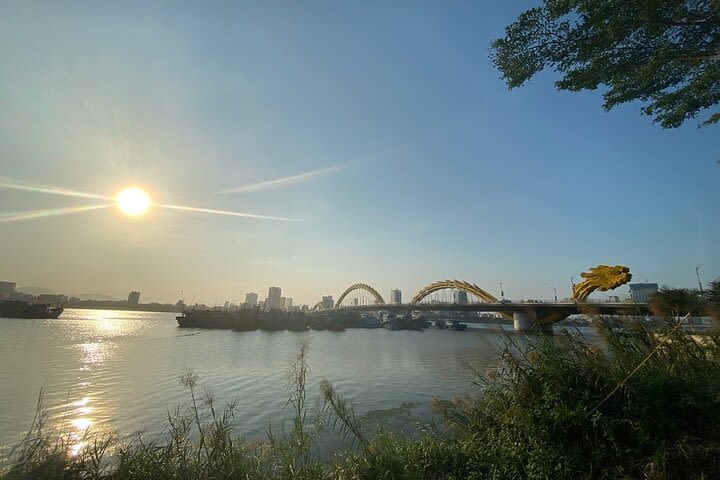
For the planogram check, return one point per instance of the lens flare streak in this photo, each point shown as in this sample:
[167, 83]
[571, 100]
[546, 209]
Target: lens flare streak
[284, 181]
[135, 207]
[223, 212]
[49, 189]
[51, 212]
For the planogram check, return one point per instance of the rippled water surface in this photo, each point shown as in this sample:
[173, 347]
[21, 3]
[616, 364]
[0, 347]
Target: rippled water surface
[115, 370]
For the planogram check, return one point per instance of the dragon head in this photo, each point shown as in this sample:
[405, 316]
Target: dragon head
[603, 278]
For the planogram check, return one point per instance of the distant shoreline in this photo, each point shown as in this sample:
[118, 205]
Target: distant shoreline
[122, 305]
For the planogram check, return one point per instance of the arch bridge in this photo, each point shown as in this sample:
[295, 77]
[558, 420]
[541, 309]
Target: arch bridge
[525, 316]
[380, 303]
[466, 287]
[360, 286]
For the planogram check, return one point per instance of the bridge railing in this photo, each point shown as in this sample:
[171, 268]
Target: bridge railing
[529, 301]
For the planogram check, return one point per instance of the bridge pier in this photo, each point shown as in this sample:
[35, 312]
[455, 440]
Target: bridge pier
[523, 322]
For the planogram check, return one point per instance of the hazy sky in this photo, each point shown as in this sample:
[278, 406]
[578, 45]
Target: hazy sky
[445, 173]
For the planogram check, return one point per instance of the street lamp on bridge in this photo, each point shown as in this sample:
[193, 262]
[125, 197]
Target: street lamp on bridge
[697, 273]
[502, 294]
[555, 289]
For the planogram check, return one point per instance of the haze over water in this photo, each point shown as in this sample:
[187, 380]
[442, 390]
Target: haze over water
[115, 370]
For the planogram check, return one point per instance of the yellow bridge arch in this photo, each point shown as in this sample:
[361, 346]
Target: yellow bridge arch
[360, 286]
[468, 287]
[454, 285]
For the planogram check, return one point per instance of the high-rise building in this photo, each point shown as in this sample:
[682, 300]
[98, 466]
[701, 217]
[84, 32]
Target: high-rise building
[7, 290]
[133, 298]
[460, 297]
[327, 302]
[640, 292]
[396, 296]
[273, 300]
[251, 298]
[282, 303]
[288, 304]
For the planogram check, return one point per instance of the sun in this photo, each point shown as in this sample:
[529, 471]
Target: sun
[133, 201]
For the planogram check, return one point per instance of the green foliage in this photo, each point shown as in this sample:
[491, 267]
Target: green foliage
[712, 294]
[299, 438]
[674, 302]
[341, 412]
[547, 415]
[390, 456]
[665, 53]
[712, 297]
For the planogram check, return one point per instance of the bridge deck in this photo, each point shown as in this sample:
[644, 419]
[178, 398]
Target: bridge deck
[568, 308]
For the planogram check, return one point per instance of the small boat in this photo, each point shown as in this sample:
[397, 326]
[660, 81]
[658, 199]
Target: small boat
[455, 325]
[441, 324]
[369, 320]
[391, 322]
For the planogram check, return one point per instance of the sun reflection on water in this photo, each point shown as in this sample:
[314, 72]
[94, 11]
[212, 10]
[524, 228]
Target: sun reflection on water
[88, 356]
[93, 353]
[81, 406]
[101, 331]
[76, 448]
[77, 437]
[109, 323]
[81, 424]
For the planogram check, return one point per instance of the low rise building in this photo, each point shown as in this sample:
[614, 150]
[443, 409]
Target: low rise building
[460, 297]
[327, 302]
[640, 292]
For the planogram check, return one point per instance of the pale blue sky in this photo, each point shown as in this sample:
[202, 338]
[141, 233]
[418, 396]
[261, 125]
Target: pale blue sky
[448, 174]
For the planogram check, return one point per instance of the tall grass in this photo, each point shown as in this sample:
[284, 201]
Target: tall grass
[643, 405]
[545, 413]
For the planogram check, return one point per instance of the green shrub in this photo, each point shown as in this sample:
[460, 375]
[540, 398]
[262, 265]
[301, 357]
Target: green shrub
[565, 409]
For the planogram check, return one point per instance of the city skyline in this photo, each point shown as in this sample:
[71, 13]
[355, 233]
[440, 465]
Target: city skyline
[275, 300]
[395, 174]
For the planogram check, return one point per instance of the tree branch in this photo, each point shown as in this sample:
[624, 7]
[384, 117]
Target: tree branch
[707, 56]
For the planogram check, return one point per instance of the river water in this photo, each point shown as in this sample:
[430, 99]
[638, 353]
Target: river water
[119, 371]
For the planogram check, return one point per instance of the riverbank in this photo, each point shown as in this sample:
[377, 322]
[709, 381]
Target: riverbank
[643, 406]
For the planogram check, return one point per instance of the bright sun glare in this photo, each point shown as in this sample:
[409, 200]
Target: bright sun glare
[133, 201]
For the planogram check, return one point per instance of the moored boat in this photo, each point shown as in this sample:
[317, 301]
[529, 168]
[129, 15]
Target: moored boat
[201, 318]
[18, 309]
[406, 322]
[242, 320]
[455, 325]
